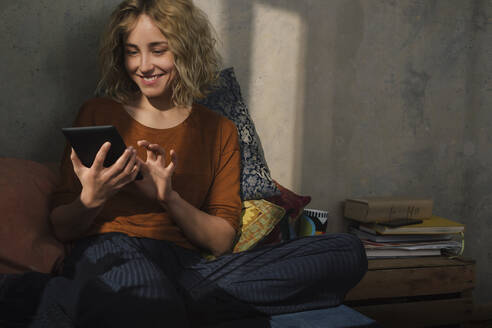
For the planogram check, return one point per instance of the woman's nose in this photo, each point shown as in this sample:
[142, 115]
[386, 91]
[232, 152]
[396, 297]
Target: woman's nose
[146, 64]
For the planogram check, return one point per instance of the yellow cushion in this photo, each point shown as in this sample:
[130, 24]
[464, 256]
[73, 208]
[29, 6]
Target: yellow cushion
[258, 218]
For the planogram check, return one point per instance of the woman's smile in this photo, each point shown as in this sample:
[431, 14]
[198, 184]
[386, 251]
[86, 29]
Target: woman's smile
[150, 79]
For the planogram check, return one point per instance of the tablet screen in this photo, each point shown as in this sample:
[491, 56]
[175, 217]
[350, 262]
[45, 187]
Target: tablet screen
[86, 141]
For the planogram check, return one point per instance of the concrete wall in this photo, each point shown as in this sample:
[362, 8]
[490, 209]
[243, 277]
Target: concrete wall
[477, 209]
[350, 98]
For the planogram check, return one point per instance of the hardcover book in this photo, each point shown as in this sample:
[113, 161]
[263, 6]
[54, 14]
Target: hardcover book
[383, 209]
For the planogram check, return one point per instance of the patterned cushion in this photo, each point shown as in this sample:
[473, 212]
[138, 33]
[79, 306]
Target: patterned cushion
[259, 217]
[226, 99]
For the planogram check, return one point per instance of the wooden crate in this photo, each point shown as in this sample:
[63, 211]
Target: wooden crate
[416, 292]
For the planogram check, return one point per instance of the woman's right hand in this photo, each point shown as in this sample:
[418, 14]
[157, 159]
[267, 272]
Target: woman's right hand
[99, 183]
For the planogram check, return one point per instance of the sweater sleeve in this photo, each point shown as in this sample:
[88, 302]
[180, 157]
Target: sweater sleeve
[70, 187]
[223, 199]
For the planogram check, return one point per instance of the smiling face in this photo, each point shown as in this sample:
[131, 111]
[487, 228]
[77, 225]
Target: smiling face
[148, 60]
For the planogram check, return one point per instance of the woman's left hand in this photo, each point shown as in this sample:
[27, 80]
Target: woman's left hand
[157, 177]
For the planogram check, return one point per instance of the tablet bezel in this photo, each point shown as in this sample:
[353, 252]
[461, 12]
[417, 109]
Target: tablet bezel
[87, 140]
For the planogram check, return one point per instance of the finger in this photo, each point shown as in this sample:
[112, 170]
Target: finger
[174, 157]
[126, 179]
[141, 165]
[75, 160]
[139, 161]
[140, 169]
[160, 152]
[174, 161]
[127, 171]
[158, 149]
[120, 163]
[101, 155]
[128, 174]
[151, 156]
[135, 170]
[143, 143]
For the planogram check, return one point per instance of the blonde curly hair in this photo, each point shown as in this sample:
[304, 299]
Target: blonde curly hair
[191, 39]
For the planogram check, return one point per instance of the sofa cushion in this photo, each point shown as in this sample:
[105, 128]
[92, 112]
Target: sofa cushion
[294, 205]
[258, 218]
[256, 182]
[292, 202]
[26, 239]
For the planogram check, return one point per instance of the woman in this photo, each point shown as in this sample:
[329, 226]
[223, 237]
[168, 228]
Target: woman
[150, 79]
[136, 256]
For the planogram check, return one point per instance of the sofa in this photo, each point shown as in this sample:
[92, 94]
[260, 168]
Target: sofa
[27, 243]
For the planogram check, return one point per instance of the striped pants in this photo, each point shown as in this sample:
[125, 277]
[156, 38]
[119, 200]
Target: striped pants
[113, 280]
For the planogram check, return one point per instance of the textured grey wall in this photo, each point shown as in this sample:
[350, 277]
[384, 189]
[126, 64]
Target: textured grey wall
[477, 151]
[350, 97]
[49, 60]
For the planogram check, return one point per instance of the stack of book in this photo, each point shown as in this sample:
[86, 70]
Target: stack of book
[398, 227]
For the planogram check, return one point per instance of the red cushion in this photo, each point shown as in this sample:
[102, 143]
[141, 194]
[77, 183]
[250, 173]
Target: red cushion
[293, 205]
[289, 200]
[26, 239]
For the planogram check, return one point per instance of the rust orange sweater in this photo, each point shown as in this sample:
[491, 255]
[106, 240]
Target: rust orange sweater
[207, 174]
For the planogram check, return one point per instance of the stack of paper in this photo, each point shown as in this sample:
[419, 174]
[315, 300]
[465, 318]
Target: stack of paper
[434, 236]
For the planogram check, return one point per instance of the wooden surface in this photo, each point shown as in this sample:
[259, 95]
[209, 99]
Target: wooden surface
[417, 262]
[416, 292]
[482, 312]
[391, 278]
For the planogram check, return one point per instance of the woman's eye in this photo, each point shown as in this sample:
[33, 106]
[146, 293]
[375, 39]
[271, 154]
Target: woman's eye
[159, 52]
[131, 52]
